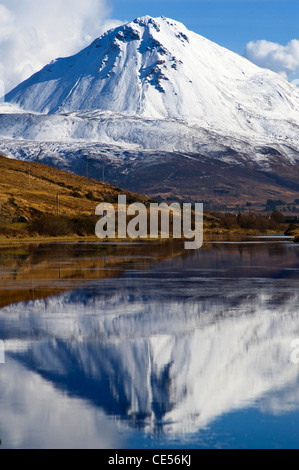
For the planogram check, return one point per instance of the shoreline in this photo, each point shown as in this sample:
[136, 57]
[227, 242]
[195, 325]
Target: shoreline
[208, 235]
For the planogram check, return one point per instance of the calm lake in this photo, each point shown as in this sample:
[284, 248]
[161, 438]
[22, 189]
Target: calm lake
[150, 346]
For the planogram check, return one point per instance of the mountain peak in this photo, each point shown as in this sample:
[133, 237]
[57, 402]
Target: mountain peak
[156, 68]
[136, 29]
[145, 20]
[151, 21]
[138, 58]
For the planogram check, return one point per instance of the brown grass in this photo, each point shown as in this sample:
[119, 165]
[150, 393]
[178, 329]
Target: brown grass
[31, 189]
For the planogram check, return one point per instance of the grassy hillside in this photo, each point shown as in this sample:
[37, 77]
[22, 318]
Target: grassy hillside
[38, 200]
[32, 189]
[54, 202]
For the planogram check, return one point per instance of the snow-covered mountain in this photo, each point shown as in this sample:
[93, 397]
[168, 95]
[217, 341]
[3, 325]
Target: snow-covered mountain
[156, 68]
[153, 85]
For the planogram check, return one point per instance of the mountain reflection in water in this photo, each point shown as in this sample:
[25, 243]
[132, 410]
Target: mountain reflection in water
[165, 349]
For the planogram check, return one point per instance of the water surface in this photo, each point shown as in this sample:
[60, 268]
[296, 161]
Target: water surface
[141, 346]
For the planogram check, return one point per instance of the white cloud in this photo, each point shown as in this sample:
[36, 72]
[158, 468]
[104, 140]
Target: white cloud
[33, 32]
[281, 59]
